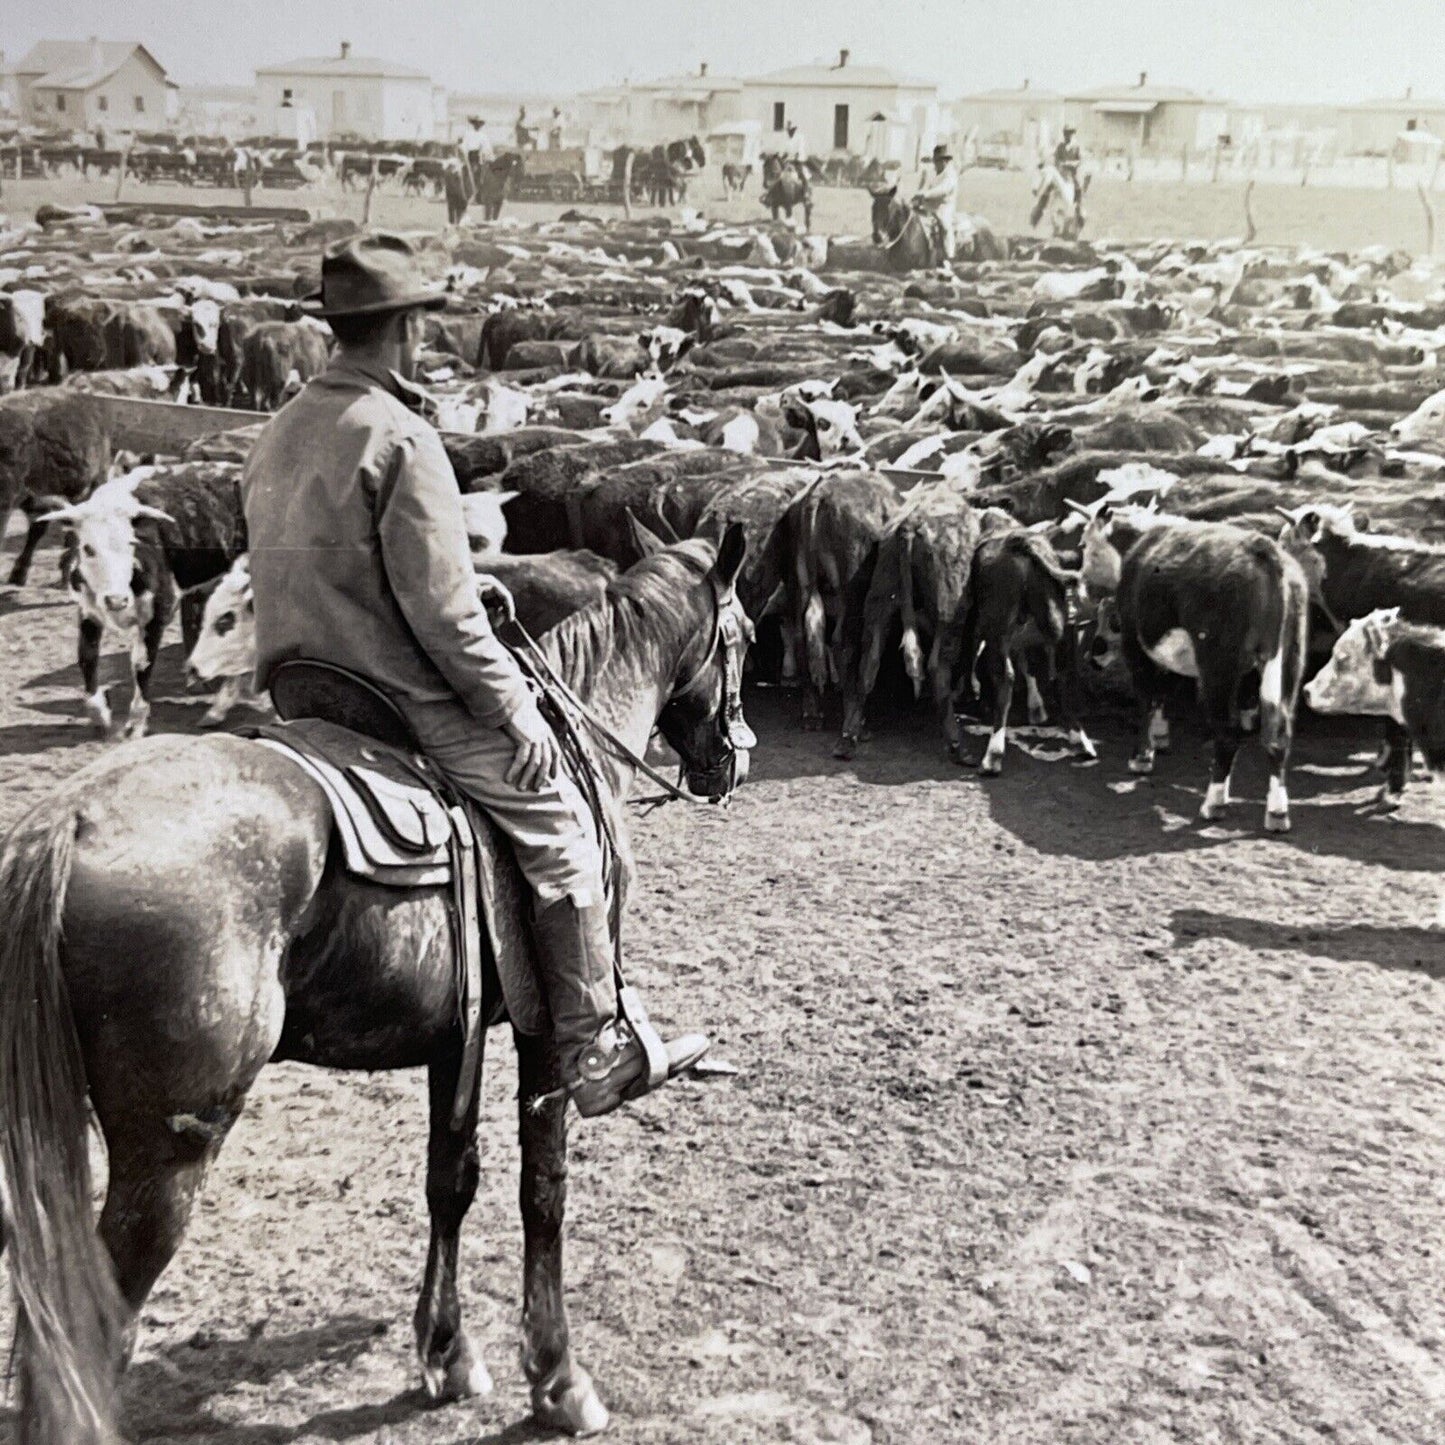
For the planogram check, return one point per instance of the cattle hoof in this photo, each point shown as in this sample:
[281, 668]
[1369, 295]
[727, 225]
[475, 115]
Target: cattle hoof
[990, 766]
[1141, 766]
[460, 1375]
[97, 709]
[135, 727]
[570, 1403]
[1276, 822]
[845, 748]
[812, 724]
[1390, 798]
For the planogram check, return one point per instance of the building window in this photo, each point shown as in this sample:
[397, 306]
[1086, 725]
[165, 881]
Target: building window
[286, 97]
[102, 102]
[60, 102]
[140, 105]
[778, 115]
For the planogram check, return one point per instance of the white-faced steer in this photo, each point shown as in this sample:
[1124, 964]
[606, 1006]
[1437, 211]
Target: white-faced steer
[121, 584]
[1383, 665]
[1218, 604]
[1353, 571]
[137, 544]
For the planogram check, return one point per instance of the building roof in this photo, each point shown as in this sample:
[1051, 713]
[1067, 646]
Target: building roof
[1401, 104]
[79, 64]
[1146, 92]
[871, 77]
[368, 65]
[1022, 93]
[698, 87]
[219, 94]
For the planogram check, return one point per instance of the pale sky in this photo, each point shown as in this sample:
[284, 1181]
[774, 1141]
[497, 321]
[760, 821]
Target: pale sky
[1292, 50]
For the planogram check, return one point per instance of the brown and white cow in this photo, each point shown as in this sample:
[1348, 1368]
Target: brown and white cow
[1218, 604]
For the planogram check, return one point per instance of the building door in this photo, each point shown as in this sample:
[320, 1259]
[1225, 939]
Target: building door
[779, 113]
[840, 127]
[340, 118]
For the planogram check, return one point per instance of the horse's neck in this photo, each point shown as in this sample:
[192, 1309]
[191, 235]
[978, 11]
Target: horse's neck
[622, 671]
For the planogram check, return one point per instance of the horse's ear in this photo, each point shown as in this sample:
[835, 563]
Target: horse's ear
[730, 554]
[647, 542]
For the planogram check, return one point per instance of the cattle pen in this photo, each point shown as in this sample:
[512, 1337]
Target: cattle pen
[1042, 1108]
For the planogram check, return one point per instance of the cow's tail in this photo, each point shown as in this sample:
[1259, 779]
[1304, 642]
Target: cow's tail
[69, 1313]
[912, 651]
[1282, 665]
[1046, 588]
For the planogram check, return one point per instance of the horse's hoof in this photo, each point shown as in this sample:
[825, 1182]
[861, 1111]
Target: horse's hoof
[461, 1375]
[1276, 822]
[1141, 766]
[570, 1403]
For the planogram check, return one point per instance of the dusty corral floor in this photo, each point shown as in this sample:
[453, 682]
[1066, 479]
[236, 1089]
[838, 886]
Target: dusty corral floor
[1330, 217]
[1060, 1118]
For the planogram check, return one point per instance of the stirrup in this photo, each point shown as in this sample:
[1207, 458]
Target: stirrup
[631, 1011]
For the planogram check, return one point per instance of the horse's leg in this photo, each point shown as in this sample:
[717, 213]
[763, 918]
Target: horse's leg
[563, 1396]
[154, 1176]
[449, 1365]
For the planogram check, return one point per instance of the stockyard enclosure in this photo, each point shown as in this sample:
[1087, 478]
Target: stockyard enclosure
[1058, 1113]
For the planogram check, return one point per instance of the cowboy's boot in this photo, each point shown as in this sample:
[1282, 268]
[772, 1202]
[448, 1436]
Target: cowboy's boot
[608, 1056]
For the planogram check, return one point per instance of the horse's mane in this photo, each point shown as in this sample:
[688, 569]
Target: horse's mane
[641, 606]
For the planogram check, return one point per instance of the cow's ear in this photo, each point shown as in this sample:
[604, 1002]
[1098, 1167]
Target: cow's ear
[730, 553]
[684, 346]
[1362, 521]
[1377, 632]
[647, 542]
[797, 415]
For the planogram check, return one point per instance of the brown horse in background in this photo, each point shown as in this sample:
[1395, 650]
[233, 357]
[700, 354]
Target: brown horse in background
[177, 916]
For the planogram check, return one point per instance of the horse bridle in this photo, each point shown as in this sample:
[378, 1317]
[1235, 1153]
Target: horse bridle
[730, 632]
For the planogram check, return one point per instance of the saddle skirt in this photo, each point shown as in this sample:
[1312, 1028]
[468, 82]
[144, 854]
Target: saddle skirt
[401, 826]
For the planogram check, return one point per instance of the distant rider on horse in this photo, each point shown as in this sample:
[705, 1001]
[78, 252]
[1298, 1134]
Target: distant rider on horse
[795, 153]
[477, 151]
[1064, 174]
[359, 558]
[937, 201]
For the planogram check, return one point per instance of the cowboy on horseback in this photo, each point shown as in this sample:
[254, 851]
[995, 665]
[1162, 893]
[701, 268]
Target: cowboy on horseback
[1062, 178]
[359, 557]
[795, 152]
[937, 201]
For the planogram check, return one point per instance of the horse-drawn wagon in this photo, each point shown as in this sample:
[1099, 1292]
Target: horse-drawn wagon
[562, 176]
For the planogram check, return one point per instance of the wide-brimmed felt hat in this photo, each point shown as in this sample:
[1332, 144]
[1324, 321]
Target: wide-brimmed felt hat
[368, 275]
[475, 120]
[942, 153]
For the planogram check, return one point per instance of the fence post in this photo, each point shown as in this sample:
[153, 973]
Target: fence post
[1184, 163]
[1249, 227]
[1429, 218]
[124, 167]
[627, 183]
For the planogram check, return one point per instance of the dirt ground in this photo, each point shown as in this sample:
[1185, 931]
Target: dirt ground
[1060, 1118]
[1331, 217]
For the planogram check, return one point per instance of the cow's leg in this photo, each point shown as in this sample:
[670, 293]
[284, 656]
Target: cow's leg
[1395, 762]
[1148, 682]
[97, 703]
[1219, 697]
[144, 647]
[1070, 702]
[450, 1367]
[1279, 684]
[563, 1396]
[855, 697]
[999, 667]
[1034, 664]
[34, 535]
[193, 611]
[813, 629]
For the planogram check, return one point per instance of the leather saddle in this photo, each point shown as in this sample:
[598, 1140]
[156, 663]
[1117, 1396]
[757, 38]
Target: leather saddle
[402, 825]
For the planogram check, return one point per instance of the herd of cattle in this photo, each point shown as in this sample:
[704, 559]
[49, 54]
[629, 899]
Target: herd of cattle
[1202, 462]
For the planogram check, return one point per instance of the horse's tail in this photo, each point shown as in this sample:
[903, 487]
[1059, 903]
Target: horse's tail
[912, 651]
[69, 1312]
